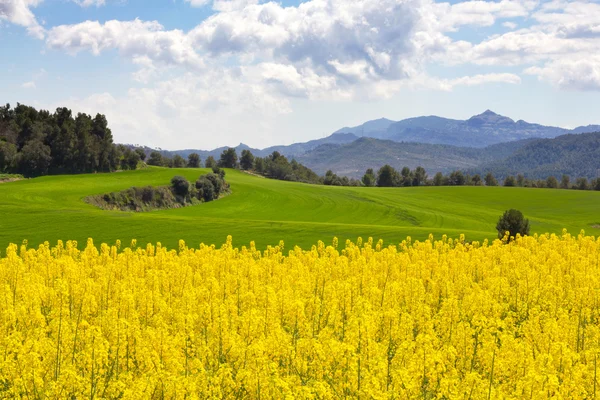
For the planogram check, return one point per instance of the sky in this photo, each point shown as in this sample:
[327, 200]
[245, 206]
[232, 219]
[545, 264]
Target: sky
[201, 74]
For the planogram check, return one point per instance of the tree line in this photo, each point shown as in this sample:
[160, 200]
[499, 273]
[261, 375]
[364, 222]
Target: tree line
[34, 143]
[388, 176]
[277, 166]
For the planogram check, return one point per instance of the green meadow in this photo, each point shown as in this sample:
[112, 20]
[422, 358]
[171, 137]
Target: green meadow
[266, 211]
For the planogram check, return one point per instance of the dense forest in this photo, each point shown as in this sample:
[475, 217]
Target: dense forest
[35, 143]
[573, 155]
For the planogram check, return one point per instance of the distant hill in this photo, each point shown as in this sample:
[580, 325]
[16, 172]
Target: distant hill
[478, 131]
[287, 150]
[353, 159]
[576, 155]
[487, 141]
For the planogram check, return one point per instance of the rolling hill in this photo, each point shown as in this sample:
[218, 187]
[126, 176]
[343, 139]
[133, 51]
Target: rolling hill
[267, 211]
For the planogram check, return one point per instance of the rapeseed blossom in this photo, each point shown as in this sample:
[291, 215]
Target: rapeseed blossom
[437, 319]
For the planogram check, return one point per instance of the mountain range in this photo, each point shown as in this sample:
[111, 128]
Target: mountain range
[480, 130]
[436, 143]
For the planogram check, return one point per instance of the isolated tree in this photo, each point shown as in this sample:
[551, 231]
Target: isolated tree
[582, 184]
[178, 161]
[476, 180]
[514, 222]
[387, 176]
[247, 160]
[210, 162]
[510, 181]
[565, 182]
[552, 182]
[155, 159]
[419, 176]
[438, 179]
[193, 161]
[490, 180]
[180, 186]
[229, 158]
[368, 178]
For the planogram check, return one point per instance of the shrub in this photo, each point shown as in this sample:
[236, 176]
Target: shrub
[206, 189]
[514, 222]
[180, 185]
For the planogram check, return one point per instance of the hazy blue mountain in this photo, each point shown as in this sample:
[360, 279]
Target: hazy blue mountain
[287, 150]
[576, 155]
[353, 159]
[479, 131]
[586, 129]
[375, 128]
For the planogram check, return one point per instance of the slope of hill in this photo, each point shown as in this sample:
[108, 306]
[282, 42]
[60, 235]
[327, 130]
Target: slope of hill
[480, 130]
[577, 155]
[353, 159]
[267, 211]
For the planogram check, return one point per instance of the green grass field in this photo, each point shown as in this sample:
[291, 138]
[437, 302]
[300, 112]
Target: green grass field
[267, 211]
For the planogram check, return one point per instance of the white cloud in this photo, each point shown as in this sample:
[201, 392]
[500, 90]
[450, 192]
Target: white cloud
[28, 85]
[133, 39]
[202, 109]
[580, 74]
[509, 25]
[19, 12]
[88, 3]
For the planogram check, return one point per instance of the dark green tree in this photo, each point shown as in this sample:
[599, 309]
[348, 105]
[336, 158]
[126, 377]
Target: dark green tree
[490, 180]
[582, 184]
[520, 180]
[457, 178]
[141, 153]
[565, 182]
[193, 161]
[228, 158]
[368, 178]
[476, 180]
[514, 222]
[8, 154]
[155, 159]
[552, 182]
[178, 161]
[438, 179]
[406, 177]
[180, 186]
[34, 159]
[387, 176]
[510, 181]
[210, 162]
[419, 176]
[247, 160]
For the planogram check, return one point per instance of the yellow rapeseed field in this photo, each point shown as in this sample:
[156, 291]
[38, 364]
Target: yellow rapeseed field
[420, 320]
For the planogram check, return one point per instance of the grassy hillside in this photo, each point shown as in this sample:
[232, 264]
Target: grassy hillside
[266, 211]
